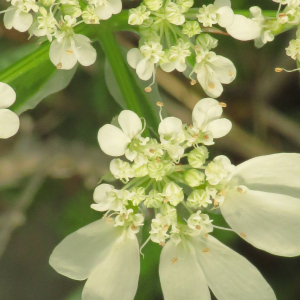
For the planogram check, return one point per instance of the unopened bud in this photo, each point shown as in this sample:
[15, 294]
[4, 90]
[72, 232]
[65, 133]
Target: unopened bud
[194, 177]
[153, 5]
[198, 156]
[47, 2]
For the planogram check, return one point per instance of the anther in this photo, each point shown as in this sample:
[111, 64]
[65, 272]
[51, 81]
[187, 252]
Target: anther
[166, 200]
[230, 73]
[206, 235]
[133, 227]
[108, 220]
[222, 104]
[158, 160]
[174, 260]
[59, 66]
[223, 193]
[93, 21]
[243, 235]
[159, 104]
[193, 82]
[60, 23]
[197, 48]
[198, 227]
[206, 250]
[191, 126]
[216, 203]
[152, 151]
[240, 190]
[278, 70]
[124, 216]
[161, 244]
[70, 51]
[166, 227]
[206, 137]
[211, 85]
[281, 15]
[148, 89]
[195, 136]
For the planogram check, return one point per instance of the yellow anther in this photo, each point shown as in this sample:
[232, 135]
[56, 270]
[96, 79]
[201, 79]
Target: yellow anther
[166, 200]
[148, 89]
[193, 82]
[152, 151]
[211, 85]
[206, 235]
[159, 104]
[59, 66]
[278, 70]
[198, 227]
[222, 104]
[161, 244]
[166, 227]
[223, 193]
[158, 160]
[243, 235]
[206, 137]
[108, 220]
[133, 227]
[70, 51]
[282, 15]
[174, 260]
[124, 216]
[216, 203]
[206, 250]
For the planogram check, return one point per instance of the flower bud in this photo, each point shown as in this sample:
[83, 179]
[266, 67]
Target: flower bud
[154, 199]
[137, 195]
[121, 169]
[185, 5]
[47, 2]
[89, 16]
[194, 177]
[138, 15]
[173, 193]
[198, 156]
[72, 8]
[153, 5]
[158, 169]
[169, 211]
[198, 198]
[206, 41]
[191, 28]
[173, 14]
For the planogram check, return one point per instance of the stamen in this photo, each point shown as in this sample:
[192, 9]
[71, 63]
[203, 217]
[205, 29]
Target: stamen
[198, 227]
[240, 190]
[161, 244]
[146, 242]
[206, 137]
[222, 228]
[281, 15]
[166, 200]
[243, 235]
[195, 136]
[216, 203]
[159, 104]
[197, 48]
[278, 70]
[148, 89]
[124, 216]
[206, 235]
[152, 151]
[158, 160]
[174, 260]
[133, 227]
[211, 85]
[108, 220]
[193, 82]
[59, 66]
[206, 250]
[222, 104]
[223, 193]
[191, 126]
[166, 227]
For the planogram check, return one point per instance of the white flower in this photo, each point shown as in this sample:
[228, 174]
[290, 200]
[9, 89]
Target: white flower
[69, 47]
[108, 198]
[159, 228]
[293, 50]
[206, 41]
[18, 15]
[267, 215]
[219, 170]
[121, 169]
[89, 16]
[185, 5]
[138, 15]
[173, 193]
[188, 269]
[145, 59]
[191, 28]
[117, 142]
[176, 56]
[104, 9]
[173, 14]
[199, 223]
[218, 13]
[198, 198]
[98, 253]
[9, 121]
[212, 70]
[206, 114]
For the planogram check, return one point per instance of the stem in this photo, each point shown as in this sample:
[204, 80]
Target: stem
[188, 209]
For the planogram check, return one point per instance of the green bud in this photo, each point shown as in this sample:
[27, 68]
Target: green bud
[158, 169]
[185, 5]
[154, 199]
[191, 28]
[140, 170]
[206, 41]
[194, 177]
[198, 198]
[153, 5]
[71, 9]
[198, 156]
[137, 195]
[47, 2]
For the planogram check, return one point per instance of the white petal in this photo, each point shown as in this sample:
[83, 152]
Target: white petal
[80, 252]
[210, 84]
[228, 274]
[169, 66]
[219, 128]
[60, 53]
[181, 67]
[130, 123]
[144, 69]
[8, 19]
[103, 12]
[225, 16]
[270, 222]
[221, 3]
[115, 6]
[100, 193]
[112, 140]
[276, 173]
[116, 277]
[134, 56]
[180, 274]
[7, 95]
[9, 123]
[22, 21]
[170, 126]
[223, 69]
[243, 28]
[83, 50]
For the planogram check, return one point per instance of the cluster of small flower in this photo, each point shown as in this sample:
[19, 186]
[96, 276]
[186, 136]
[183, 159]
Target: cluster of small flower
[174, 37]
[251, 197]
[56, 19]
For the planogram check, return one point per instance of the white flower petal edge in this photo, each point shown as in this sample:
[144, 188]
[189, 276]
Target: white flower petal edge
[116, 277]
[270, 222]
[276, 173]
[130, 123]
[180, 274]
[243, 29]
[228, 274]
[81, 252]
[8, 95]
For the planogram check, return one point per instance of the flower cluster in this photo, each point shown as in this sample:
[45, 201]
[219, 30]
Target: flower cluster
[172, 37]
[55, 20]
[177, 184]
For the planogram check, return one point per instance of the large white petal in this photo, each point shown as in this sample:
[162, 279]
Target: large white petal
[144, 69]
[130, 123]
[104, 12]
[134, 56]
[169, 66]
[80, 252]
[170, 126]
[8, 19]
[83, 50]
[225, 16]
[243, 29]
[270, 222]
[112, 140]
[116, 277]
[228, 274]
[276, 173]
[223, 69]
[9, 123]
[210, 84]
[7, 95]
[115, 6]
[219, 128]
[221, 3]
[180, 274]
[22, 21]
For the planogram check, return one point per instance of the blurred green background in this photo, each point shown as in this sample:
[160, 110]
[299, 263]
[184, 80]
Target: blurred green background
[49, 169]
